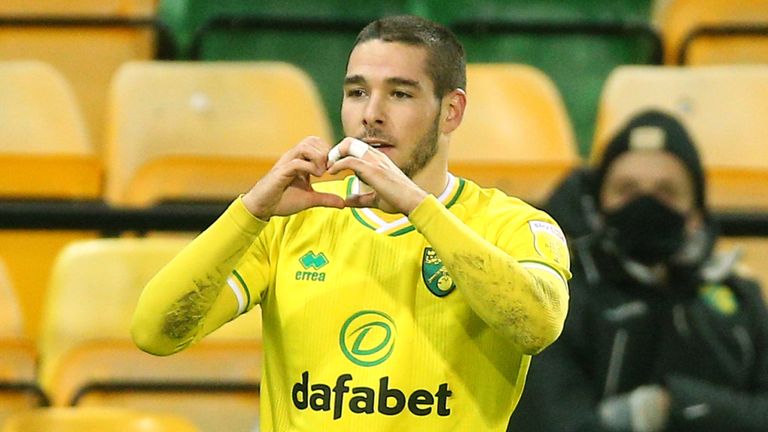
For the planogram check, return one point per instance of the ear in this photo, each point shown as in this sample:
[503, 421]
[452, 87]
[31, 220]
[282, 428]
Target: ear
[452, 110]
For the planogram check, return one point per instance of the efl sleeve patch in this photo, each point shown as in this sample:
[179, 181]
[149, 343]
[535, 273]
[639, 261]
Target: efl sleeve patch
[549, 242]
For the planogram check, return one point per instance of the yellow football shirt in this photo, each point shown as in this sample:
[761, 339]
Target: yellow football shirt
[364, 328]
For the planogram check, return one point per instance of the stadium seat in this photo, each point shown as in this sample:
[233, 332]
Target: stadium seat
[724, 109]
[187, 17]
[203, 131]
[576, 43]
[11, 319]
[18, 360]
[95, 420]
[45, 154]
[451, 11]
[315, 35]
[516, 134]
[45, 151]
[699, 32]
[87, 40]
[60, 8]
[88, 358]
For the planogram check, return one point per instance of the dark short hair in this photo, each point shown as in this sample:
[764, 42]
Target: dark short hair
[446, 61]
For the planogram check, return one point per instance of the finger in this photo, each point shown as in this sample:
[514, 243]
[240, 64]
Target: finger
[354, 164]
[297, 167]
[303, 149]
[318, 143]
[315, 156]
[322, 199]
[347, 147]
[368, 199]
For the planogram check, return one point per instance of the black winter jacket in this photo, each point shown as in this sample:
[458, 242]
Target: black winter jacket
[708, 347]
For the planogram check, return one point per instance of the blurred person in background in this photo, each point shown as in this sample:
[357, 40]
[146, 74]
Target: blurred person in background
[662, 334]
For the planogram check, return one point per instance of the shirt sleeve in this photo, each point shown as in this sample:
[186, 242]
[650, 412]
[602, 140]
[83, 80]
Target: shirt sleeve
[195, 293]
[525, 300]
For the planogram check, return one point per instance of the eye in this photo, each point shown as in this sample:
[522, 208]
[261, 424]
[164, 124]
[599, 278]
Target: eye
[354, 93]
[625, 189]
[399, 94]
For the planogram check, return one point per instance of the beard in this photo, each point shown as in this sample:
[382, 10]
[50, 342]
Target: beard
[424, 151]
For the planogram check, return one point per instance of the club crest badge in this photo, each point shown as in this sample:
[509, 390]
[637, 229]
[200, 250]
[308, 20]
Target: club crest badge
[720, 298]
[549, 241]
[435, 275]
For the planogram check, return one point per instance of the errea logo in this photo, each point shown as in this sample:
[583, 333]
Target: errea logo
[311, 263]
[312, 260]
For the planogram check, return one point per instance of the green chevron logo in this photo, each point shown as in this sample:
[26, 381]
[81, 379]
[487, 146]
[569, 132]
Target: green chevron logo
[310, 260]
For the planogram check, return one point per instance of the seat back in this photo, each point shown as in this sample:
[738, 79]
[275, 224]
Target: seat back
[516, 134]
[87, 40]
[194, 131]
[316, 36]
[45, 151]
[95, 420]
[576, 43]
[59, 8]
[720, 31]
[18, 357]
[723, 107]
[11, 320]
[88, 358]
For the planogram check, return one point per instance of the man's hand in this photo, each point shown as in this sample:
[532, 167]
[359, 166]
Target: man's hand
[393, 191]
[287, 189]
[645, 409]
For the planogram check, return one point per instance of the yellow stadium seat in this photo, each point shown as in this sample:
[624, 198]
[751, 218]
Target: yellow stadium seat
[682, 19]
[516, 134]
[88, 358]
[95, 420]
[18, 359]
[59, 8]
[11, 319]
[723, 107]
[87, 53]
[45, 153]
[204, 131]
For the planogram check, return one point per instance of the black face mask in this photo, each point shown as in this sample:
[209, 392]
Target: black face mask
[645, 230]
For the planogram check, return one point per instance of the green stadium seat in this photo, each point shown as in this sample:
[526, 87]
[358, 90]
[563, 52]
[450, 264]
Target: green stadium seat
[452, 10]
[593, 37]
[185, 17]
[579, 65]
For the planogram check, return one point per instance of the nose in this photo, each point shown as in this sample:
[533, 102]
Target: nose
[374, 112]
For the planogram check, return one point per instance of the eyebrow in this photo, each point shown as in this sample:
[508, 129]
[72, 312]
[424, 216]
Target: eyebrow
[359, 79]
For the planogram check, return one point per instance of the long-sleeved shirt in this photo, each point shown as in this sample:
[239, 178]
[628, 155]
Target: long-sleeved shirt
[374, 320]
